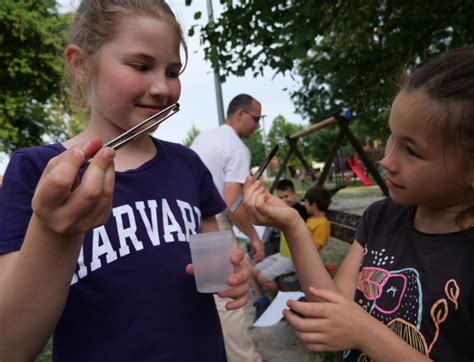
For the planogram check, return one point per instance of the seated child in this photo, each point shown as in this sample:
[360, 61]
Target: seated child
[317, 200]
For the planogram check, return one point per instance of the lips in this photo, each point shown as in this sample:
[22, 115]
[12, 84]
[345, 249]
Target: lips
[392, 185]
[150, 108]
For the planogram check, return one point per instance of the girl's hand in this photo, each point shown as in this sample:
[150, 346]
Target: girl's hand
[238, 281]
[334, 324]
[67, 207]
[265, 209]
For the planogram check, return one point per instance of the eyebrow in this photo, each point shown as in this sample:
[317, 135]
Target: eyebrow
[150, 58]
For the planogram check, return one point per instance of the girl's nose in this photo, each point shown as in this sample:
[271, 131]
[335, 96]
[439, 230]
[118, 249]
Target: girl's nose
[159, 86]
[389, 162]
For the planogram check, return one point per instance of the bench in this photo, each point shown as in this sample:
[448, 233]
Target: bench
[343, 227]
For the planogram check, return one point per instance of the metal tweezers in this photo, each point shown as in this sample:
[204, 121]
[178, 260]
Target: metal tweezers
[136, 131]
[257, 175]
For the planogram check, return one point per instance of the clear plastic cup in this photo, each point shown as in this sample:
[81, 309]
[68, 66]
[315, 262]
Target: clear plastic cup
[210, 253]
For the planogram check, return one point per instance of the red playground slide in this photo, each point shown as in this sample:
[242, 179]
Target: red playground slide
[359, 173]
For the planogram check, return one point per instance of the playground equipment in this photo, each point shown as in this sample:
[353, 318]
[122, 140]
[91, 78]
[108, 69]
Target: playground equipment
[341, 120]
[355, 167]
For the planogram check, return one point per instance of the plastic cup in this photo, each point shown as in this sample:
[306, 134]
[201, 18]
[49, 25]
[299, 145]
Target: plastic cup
[210, 253]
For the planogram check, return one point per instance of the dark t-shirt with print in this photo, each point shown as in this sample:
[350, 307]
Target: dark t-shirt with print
[420, 285]
[130, 297]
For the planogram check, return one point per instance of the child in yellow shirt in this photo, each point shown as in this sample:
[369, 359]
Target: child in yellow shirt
[317, 200]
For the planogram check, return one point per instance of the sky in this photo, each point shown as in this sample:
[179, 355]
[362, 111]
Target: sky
[198, 100]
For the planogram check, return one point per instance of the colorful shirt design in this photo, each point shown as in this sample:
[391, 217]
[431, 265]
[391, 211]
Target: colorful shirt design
[420, 285]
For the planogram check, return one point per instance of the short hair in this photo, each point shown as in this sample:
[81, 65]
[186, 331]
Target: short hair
[284, 185]
[320, 196]
[239, 101]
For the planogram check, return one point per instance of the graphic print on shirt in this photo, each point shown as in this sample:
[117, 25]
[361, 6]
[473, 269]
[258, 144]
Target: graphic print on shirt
[161, 223]
[395, 297]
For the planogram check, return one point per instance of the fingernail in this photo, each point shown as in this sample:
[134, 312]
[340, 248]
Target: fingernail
[78, 153]
[109, 153]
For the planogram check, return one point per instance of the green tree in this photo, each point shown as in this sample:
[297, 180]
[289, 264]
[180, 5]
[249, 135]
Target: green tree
[191, 135]
[256, 147]
[346, 53]
[278, 132]
[32, 38]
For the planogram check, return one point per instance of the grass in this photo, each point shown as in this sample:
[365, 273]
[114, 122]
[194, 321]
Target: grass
[47, 354]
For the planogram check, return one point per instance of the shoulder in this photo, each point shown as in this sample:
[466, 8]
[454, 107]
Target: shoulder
[179, 154]
[317, 221]
[383, 217]
[386, 208]
[172, 149]
[34, 157]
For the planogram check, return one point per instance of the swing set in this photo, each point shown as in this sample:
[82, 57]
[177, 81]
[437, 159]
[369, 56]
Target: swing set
[341, 120]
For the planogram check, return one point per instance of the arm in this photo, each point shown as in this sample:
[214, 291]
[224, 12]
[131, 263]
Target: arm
[240, 219]
[265, 209]
[36, 280]
[336, 322]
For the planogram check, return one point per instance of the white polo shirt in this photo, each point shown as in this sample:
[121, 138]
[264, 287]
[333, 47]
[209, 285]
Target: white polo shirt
[224, 154]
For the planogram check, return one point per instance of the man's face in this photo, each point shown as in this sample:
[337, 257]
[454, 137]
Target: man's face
[250, 119]
[288, 196]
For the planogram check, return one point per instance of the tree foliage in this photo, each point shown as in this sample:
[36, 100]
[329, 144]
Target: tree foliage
[348, 54]
[256, 146]
[32, 38]
[191, 135]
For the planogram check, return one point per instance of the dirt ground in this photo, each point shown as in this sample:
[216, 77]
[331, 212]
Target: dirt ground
[278, 343]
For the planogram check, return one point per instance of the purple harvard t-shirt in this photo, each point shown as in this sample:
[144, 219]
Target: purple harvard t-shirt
[130, 297]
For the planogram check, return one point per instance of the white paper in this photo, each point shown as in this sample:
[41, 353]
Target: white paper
[274, 312]
[240, 235]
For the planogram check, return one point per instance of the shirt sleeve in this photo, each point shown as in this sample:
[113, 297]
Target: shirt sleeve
[18, 186]
[210, 201]
[368, 222]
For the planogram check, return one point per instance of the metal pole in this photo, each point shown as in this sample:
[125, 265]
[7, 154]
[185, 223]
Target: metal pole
[217, 82]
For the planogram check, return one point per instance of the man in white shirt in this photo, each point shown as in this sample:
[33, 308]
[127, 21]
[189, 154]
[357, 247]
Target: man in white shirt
[228, 159]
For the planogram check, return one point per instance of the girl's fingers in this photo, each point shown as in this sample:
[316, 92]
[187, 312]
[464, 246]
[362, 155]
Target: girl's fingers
[304, 324]
[55, 185]
[236, 257]
[109, 181]
[91, 189]
[237, 303]
[308, 309]
[238, 294]
[189, 269]
[94, 179]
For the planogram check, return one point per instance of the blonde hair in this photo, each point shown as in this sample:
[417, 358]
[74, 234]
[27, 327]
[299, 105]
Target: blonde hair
[95, 24]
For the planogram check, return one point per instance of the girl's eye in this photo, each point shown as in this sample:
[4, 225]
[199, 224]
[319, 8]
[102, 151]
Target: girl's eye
[411, 152]
[139, 66]
[173, 74]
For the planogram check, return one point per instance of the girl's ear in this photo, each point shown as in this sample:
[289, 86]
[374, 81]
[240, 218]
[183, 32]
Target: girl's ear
[76, 62]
